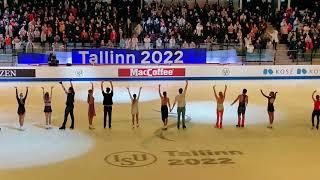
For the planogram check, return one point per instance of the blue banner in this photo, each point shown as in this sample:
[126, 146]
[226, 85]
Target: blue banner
[123, 56]
[32, 58]
[42, 58]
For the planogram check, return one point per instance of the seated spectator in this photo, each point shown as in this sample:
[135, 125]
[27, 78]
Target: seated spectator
[192, 45]
[185, 45]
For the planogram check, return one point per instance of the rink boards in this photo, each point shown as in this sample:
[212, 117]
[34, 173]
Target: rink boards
[158, 72]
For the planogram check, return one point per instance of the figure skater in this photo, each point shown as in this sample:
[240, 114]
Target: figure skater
[165, 101]
[243, 102]
[107, 103]
[47, 107]
[135, 107]
[181, 109]
[91, 109]
[21, 106]
[69, 106]
[316, 109]
[220, 108]
[271, 98]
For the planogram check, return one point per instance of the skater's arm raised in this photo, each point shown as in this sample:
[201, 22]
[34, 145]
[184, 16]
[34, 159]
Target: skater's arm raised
[64, 88]
[71, 83]
[160, 91]
[111, 84]
[42, 91]
[17, 93]
[215, 93]
[129, 93]
[186, 87]
[102, 87]
[314, 92]
[27, 90]
[263, 94]
[51, 91]
[225, 90]
[92, 88]
[139, 92]
[275, 94]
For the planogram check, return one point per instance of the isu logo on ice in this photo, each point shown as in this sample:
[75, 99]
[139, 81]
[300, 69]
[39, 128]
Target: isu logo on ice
[151, 72]
[130, 159]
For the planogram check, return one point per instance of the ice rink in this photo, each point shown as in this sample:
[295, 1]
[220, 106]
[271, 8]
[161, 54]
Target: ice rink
[288, 151]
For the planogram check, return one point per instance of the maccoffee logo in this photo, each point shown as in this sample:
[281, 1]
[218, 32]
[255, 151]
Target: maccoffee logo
[151, 72]
[130, 159]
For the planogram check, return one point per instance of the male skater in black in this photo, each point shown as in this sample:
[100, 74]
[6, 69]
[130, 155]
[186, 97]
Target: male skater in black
[107, 103]
[69, 106]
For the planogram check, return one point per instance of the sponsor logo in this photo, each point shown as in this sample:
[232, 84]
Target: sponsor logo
[130, 159]
[151, 72]
[308, 71]
[280, 71]
[7, 73]
[226, 72]
[293, 71]
[79, 73]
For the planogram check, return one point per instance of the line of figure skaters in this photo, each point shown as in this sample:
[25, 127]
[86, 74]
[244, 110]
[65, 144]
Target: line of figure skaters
[180, 101]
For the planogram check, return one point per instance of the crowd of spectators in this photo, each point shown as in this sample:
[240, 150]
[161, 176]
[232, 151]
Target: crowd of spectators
[300, 29]
[124, 24]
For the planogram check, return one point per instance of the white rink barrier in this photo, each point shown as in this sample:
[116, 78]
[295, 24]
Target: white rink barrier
[142, 72]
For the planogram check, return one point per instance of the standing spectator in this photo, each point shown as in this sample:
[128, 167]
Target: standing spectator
[113, 36]
[159, 43]
[315, 45]
[1, 41]
[16, 43]
[7, 42]
[284, 31]
[274, 39]
[122, 43]
[43, 35]
[172, 42]
[127, 43]
[147, 42]
[134, 42]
